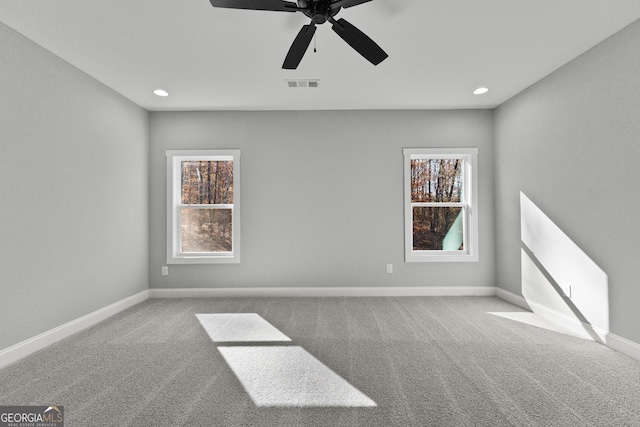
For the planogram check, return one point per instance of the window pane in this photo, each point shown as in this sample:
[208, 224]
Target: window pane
[206, 230]
[207, 182]
[437, 228]
[436, 180]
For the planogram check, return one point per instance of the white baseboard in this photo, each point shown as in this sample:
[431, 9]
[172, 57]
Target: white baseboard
[623, 345]
[31, 345]
[27, 347]
[22, 349]
[512, 298]
[321, 292]
[574, 325]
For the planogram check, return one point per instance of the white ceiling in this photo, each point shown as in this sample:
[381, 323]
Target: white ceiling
[212, 59]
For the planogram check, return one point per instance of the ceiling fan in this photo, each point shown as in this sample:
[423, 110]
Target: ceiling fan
[320, 11]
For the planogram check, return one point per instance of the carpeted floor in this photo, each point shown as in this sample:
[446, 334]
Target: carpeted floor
[327, 362]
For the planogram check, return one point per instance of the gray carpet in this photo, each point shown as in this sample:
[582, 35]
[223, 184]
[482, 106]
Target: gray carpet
[348, 361]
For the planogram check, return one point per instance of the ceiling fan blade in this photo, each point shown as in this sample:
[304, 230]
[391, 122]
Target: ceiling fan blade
[359, 41]
[347, 3]
[275, 5]
[299, 47]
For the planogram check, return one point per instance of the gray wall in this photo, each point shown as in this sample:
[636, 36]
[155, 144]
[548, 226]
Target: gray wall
[571, 143]
[321, 191]
[74, 192]
[322, 201]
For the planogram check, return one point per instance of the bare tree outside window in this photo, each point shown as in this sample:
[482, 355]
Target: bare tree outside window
[437, 181]
[206, 206]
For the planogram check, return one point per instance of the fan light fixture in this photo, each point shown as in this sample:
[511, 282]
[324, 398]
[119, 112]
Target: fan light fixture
[161, 92]
[481, 90]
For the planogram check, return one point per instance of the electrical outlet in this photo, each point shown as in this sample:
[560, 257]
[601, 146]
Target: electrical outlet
[165, 270]
[389, 268]
[566, 290]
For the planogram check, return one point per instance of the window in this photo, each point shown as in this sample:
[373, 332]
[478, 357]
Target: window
[441, 219]
[203, 209]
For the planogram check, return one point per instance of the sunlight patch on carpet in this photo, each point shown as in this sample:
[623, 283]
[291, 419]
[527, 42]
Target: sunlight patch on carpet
[533, 319]
[289, 376]
[239, 327]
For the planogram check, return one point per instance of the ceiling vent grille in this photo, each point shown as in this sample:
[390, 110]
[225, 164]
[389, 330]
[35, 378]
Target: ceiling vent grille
[302, 83]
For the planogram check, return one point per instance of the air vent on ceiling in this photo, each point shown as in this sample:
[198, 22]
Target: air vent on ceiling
[303, 83]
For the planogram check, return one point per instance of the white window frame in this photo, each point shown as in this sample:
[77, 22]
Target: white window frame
[174, 188]
[469, 205]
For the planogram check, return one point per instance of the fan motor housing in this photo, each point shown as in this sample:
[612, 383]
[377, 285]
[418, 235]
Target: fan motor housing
[318, 11]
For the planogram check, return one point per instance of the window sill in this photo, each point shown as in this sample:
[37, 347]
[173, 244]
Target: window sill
[204, 260]
[438, 256]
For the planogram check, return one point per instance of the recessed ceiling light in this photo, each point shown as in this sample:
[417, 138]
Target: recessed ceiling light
[161, 92]
[481, 90]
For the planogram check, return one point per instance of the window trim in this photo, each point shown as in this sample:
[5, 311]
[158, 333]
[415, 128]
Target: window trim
[469, 205]
[174, 256]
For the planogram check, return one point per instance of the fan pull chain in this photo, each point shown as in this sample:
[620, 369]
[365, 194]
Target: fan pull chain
[315, 35]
